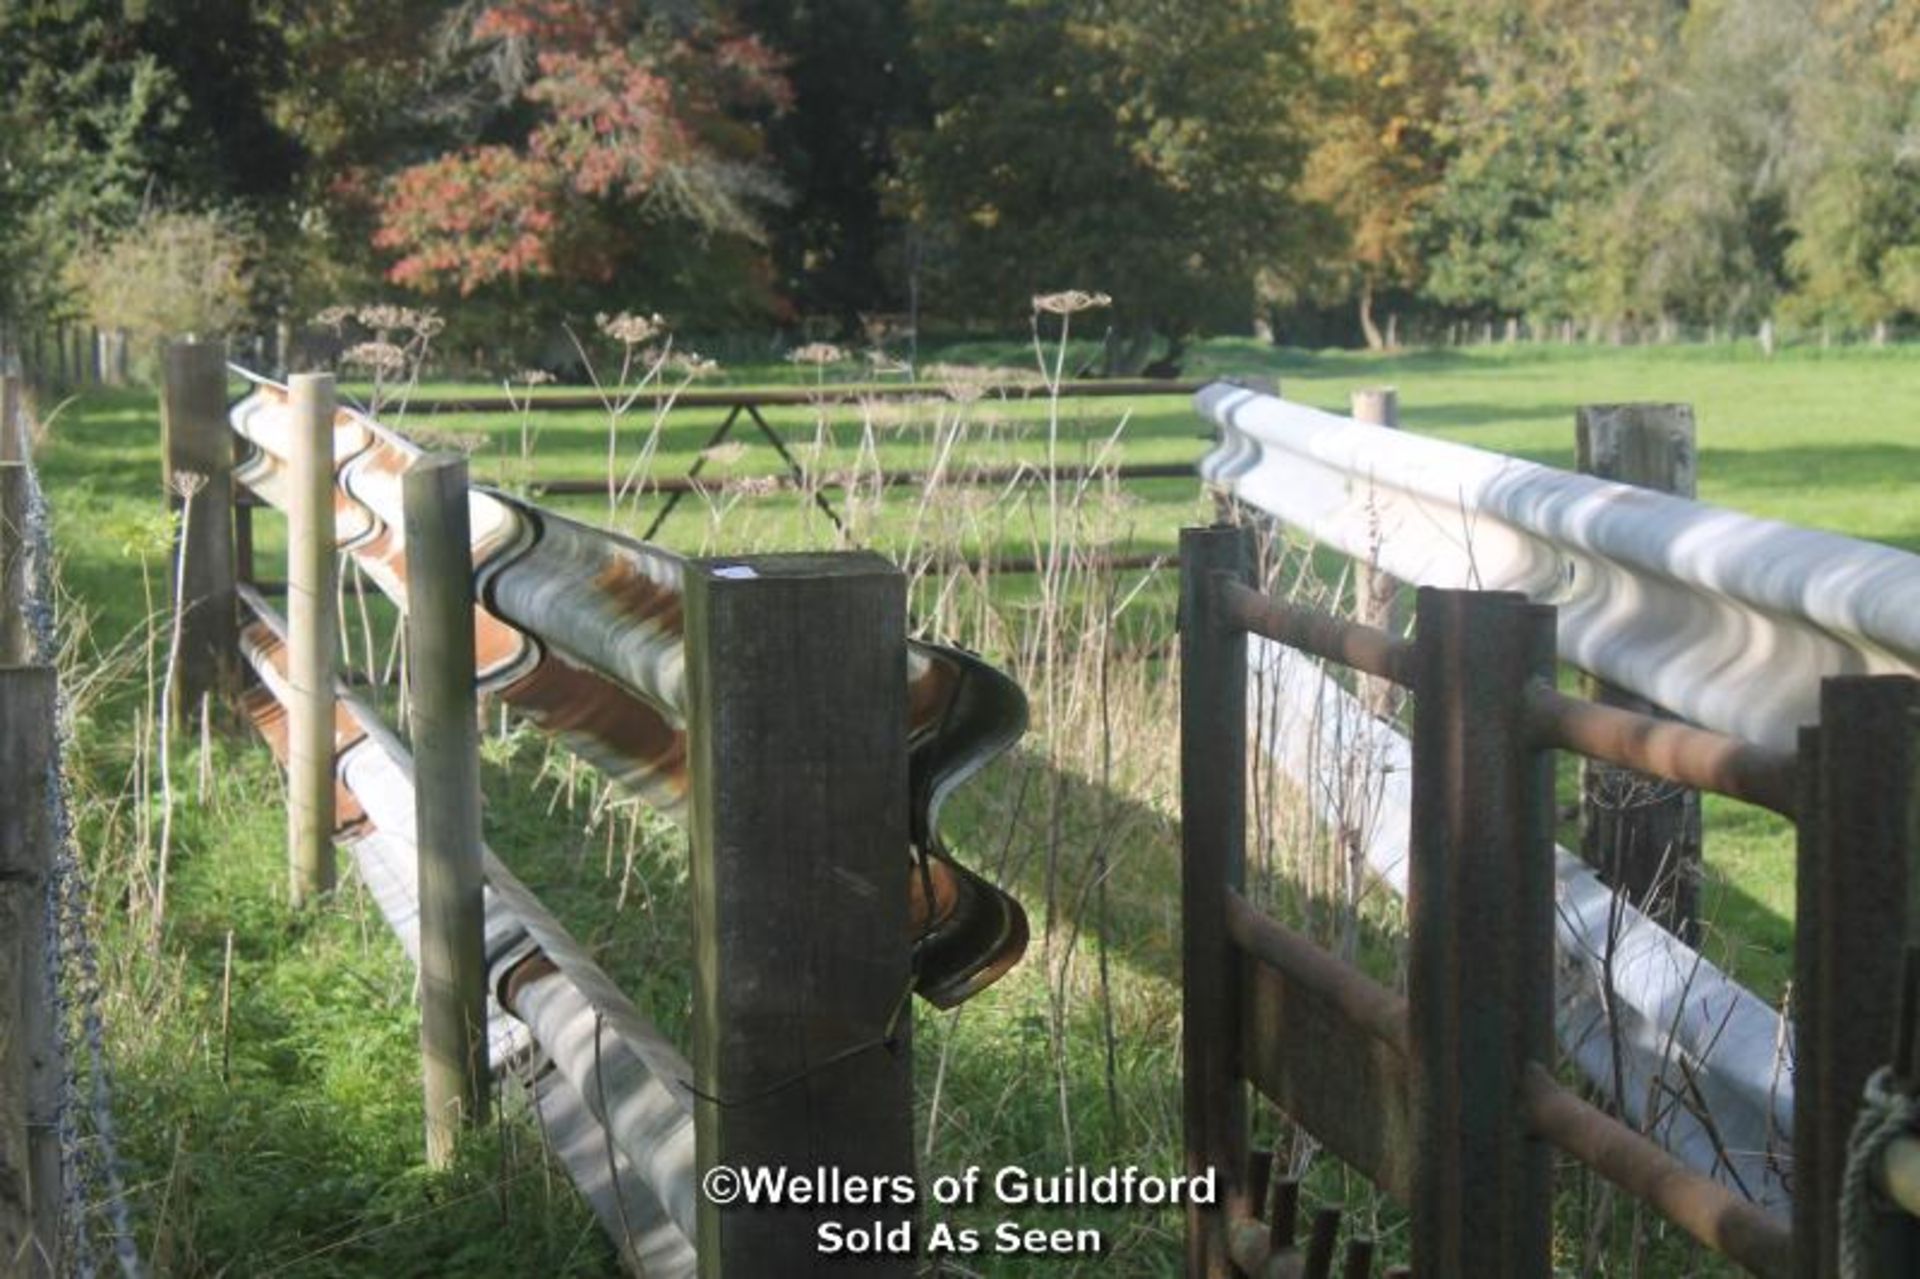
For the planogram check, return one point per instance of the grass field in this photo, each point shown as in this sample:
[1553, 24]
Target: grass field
[281, 1136]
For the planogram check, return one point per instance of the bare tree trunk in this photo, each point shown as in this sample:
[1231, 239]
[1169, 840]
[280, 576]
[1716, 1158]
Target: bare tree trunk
[1375, 341]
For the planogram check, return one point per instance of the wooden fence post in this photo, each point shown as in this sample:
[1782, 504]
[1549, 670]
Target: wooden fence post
[310, 639]
[15, 642]
[1480, 952]
[446, 763]
[1642, 833]
[1859, 815]
[1213, 834]
[1375, 591]
[199, 479]
[796, 693]
[30, 1180]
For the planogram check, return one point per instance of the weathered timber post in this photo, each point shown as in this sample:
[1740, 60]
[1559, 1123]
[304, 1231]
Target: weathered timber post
[30, 1184]
[1375, 591]
[796, 694]
[1642, 833]
[1213, 834]
[1480, 961]
[446, 796]
[1859, 822]
[310, 639]
[199, 479]
[15, 643]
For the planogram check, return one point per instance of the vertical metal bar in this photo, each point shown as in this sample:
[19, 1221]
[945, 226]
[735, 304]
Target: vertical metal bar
[1858, 820]
[797, 751]
[199, 460]
[1480, 964]
[1213, 833]
[446, 755]
[30, 1176]
[794, 468]
[310, 639]
[1642, 833]
[699, 464]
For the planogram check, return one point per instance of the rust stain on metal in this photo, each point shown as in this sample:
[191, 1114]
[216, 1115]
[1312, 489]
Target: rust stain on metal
[591, 654]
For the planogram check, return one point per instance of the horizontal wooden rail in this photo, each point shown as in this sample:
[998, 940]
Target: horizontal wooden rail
[797, 396]
[1678, 752]
[1320, 633]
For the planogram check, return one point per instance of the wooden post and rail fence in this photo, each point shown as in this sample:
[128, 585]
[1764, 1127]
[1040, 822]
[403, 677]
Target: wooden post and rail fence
[1445, 1097]
[31, 1189]
[796, 679]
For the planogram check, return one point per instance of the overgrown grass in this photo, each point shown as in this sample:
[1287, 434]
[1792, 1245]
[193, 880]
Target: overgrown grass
[289, 1143]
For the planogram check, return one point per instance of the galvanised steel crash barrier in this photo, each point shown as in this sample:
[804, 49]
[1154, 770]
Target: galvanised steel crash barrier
[773, 705]
[1445, 1098]
[1728, 619]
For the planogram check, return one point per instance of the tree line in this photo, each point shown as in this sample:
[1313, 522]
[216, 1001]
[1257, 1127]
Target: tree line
[1320, 169]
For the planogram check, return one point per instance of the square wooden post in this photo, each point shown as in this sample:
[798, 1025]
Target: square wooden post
[796, 691]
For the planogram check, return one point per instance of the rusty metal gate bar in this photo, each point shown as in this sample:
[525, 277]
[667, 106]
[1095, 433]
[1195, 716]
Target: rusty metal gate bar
[1443, 1099]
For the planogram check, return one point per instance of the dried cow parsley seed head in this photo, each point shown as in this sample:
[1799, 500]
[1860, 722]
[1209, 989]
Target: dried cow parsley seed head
[1070, 302]
[381, 357]
[816, 353]
[630, 329]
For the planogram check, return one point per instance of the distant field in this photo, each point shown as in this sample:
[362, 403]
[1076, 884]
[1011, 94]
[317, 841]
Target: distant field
[290, 1140]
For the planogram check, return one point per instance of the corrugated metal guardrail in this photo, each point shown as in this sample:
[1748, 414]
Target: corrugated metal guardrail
[1724, 618]
[616, 1105]
[580, 630]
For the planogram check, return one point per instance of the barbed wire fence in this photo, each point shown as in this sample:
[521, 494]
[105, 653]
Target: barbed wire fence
[96, 1217]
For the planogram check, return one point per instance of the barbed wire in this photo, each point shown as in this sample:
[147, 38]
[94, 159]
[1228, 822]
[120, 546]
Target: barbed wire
[93, 1178]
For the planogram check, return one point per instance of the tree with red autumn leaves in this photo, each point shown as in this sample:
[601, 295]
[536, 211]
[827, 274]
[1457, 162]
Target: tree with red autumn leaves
[620, 132]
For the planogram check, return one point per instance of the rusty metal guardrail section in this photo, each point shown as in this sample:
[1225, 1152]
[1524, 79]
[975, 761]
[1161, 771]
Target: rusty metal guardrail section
[1445, 1098]
[579, 629]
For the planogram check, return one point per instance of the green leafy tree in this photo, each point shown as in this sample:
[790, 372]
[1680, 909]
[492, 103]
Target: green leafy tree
[837, 248]
[1130, 146]
[113, 108]
[1377, 160]
[1855, 197]
[1550, 133]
